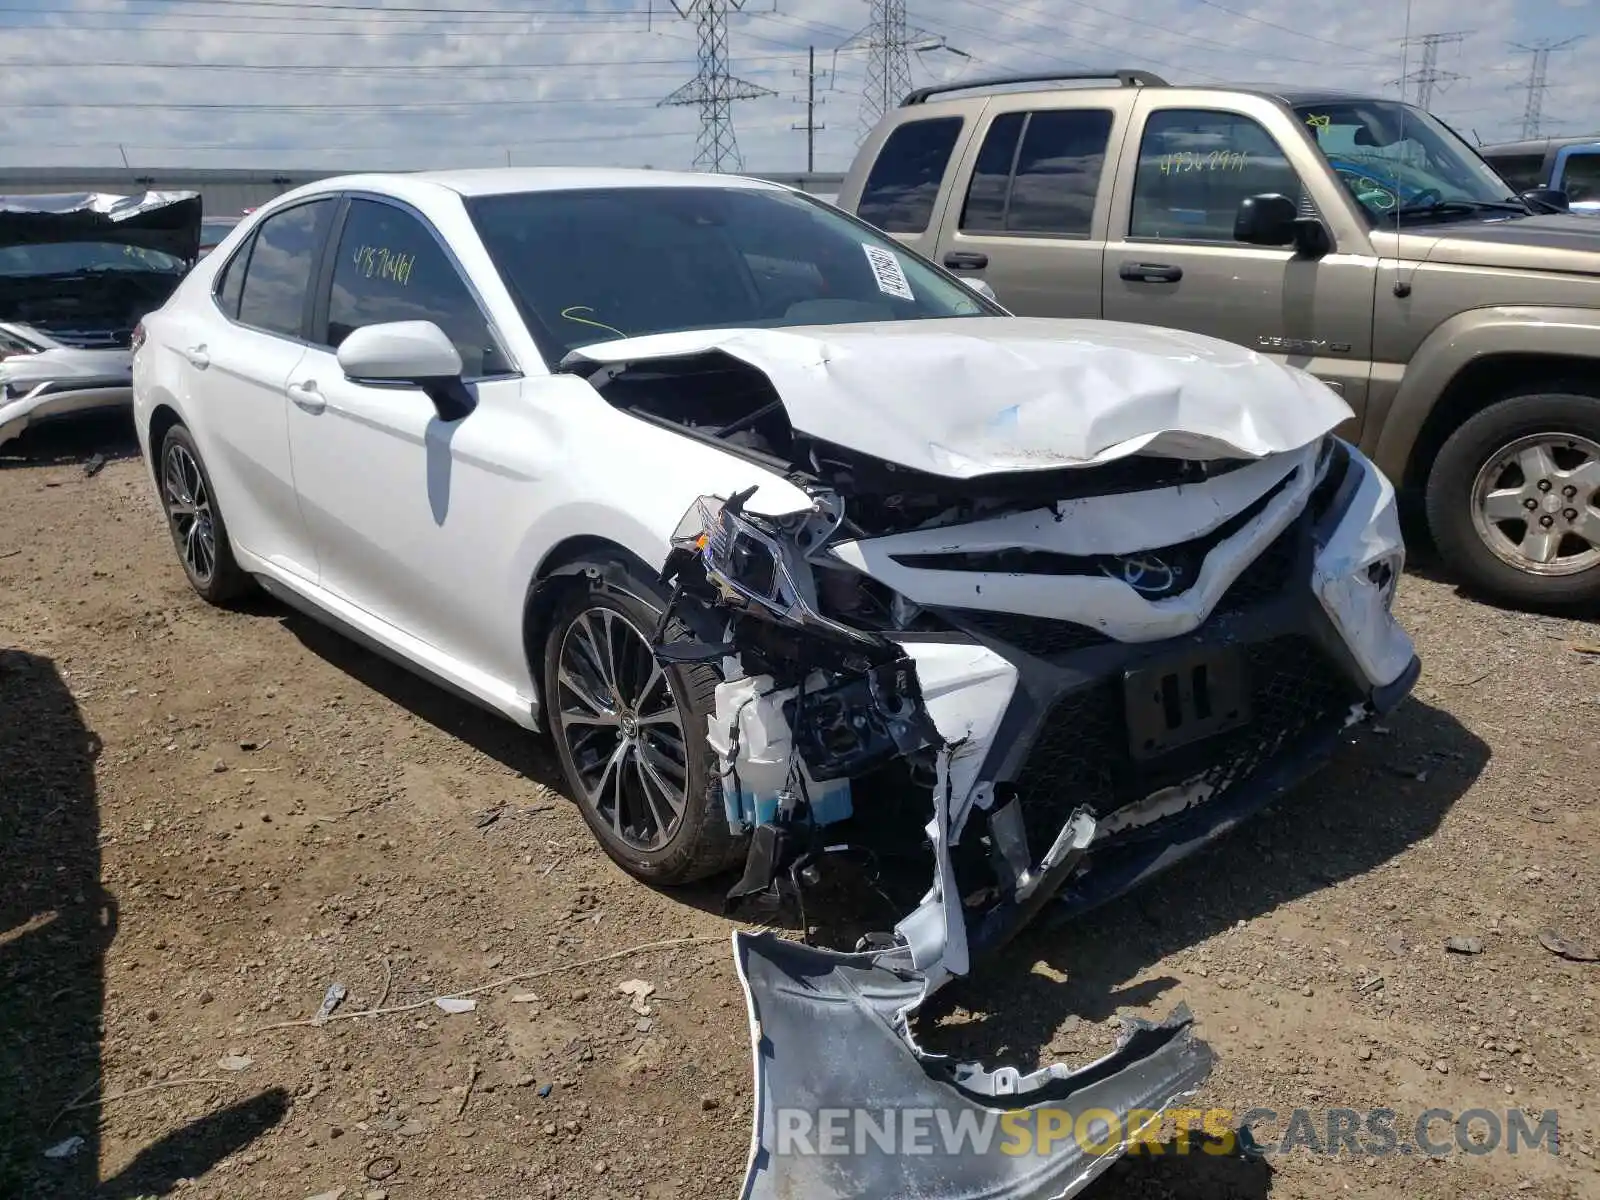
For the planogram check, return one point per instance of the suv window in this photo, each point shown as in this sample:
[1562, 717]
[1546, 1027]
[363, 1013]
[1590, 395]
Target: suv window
[1195, 165]
[903, 184]
[1581, 178]
[1521, 171]
[279, 272]
[1049, 186]
[391, 268]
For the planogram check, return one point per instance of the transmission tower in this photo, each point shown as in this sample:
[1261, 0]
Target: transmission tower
[889, 43]
[1533, 110]
[712, 88]
[1428, 76]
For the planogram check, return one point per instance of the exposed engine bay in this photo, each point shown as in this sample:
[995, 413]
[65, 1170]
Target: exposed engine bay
[78, 271]
[1087, 650]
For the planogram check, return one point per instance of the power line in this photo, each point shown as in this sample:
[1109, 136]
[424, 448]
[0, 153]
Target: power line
[811, 128]
[1428, 76]
[713, 89]
[1533, 107]
[1243, 16]
[396, 106]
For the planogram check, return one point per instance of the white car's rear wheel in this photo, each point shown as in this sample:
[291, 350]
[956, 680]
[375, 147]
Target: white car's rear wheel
[631, 738]
[198, 532]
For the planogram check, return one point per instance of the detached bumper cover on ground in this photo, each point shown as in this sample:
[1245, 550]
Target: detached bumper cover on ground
[847, 1106]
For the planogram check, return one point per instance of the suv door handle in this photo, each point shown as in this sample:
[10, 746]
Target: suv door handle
[307, 396]
[197, 356]
[966, 260]
[1150, 272]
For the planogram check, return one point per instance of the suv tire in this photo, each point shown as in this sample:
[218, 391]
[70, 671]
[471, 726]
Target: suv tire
[654, 732]
[1485, 454]
[199, 534]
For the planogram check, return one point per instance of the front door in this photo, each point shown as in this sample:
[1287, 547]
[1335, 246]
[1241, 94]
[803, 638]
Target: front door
[413, 522]
[1172, 259]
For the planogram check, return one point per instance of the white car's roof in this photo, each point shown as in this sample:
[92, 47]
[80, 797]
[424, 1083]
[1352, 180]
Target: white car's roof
[493, 181]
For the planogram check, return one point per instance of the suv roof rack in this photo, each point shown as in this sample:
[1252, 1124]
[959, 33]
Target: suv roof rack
[1125, 77]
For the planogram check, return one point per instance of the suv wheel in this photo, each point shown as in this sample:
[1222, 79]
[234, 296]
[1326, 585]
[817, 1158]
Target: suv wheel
[1514, 500]
[198, 531]
[631, 736]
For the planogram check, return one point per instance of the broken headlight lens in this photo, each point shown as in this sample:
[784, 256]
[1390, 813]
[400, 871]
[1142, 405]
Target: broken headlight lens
[753, 565]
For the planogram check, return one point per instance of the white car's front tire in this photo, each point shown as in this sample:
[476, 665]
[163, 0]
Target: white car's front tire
[631, 737]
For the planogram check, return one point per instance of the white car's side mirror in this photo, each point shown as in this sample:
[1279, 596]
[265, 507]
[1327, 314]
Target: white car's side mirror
[981, 286]
[400, 351]
[414, 352]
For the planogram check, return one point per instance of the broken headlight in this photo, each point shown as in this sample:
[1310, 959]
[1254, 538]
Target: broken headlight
[758, 563]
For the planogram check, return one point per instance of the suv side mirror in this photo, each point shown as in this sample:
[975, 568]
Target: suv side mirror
[1272, 219]
[1546, 200]
[409, 352]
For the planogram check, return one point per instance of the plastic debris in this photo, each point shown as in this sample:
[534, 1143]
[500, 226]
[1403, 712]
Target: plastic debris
[234, 1062]
[1464, 945]
[524, 998]
[331, 1000]
[1567, 947]
[639, 991]
[66, 1149]
[454, 1004]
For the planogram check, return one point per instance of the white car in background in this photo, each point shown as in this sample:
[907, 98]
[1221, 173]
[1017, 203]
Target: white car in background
[77, 271]
[757, 512]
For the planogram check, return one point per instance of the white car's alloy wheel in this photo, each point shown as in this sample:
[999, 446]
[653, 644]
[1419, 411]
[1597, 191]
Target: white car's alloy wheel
[621, 727]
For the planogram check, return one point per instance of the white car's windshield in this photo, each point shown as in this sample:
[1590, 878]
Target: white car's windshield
[593, 265]
[1397, 159]
[76, 258]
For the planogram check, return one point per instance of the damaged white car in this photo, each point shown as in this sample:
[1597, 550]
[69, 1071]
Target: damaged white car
[794, 543]
[77, 271]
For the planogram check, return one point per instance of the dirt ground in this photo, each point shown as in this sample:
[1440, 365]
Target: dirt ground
[209, 817]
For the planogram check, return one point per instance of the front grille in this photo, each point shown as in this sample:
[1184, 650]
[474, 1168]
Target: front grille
[1043, 637]
[1081, 754]
[1268, 575]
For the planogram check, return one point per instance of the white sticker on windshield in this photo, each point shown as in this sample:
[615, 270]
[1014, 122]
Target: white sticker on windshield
[887, 271]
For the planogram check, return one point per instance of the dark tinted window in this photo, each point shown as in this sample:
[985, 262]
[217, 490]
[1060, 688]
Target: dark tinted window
[230, 281]
[1195, 166]
[390, 268]
[1581, 179]
[1521, 171]
[985, 209]
[1058, 171]
[590, 265]
[279, 274]
[903, 184]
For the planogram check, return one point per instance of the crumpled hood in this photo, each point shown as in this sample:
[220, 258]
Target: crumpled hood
[969, 396]
[67, 364]
[165, 221]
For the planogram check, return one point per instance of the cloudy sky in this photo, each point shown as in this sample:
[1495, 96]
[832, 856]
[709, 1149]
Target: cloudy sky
[361, 84]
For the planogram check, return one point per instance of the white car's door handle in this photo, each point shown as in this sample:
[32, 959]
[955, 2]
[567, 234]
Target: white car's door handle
[198, 357]
[308, 396]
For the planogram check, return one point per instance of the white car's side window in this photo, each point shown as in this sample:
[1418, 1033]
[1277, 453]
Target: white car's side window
[389, 267]
[277, 279]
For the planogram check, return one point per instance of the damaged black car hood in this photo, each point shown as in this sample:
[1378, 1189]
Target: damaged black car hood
[168, 222]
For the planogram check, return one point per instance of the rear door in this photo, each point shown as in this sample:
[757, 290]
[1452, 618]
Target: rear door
[1029, 215]
[237, 368]
[1171, 258]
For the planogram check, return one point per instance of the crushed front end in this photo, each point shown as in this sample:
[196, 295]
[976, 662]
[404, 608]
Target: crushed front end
[1087, 692]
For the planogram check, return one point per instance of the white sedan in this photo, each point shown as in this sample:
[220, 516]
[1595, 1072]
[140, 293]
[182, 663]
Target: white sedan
[758, 512]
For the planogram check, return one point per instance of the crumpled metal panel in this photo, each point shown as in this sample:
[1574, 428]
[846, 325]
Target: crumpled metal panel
[165, 221]
[829, 1037]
